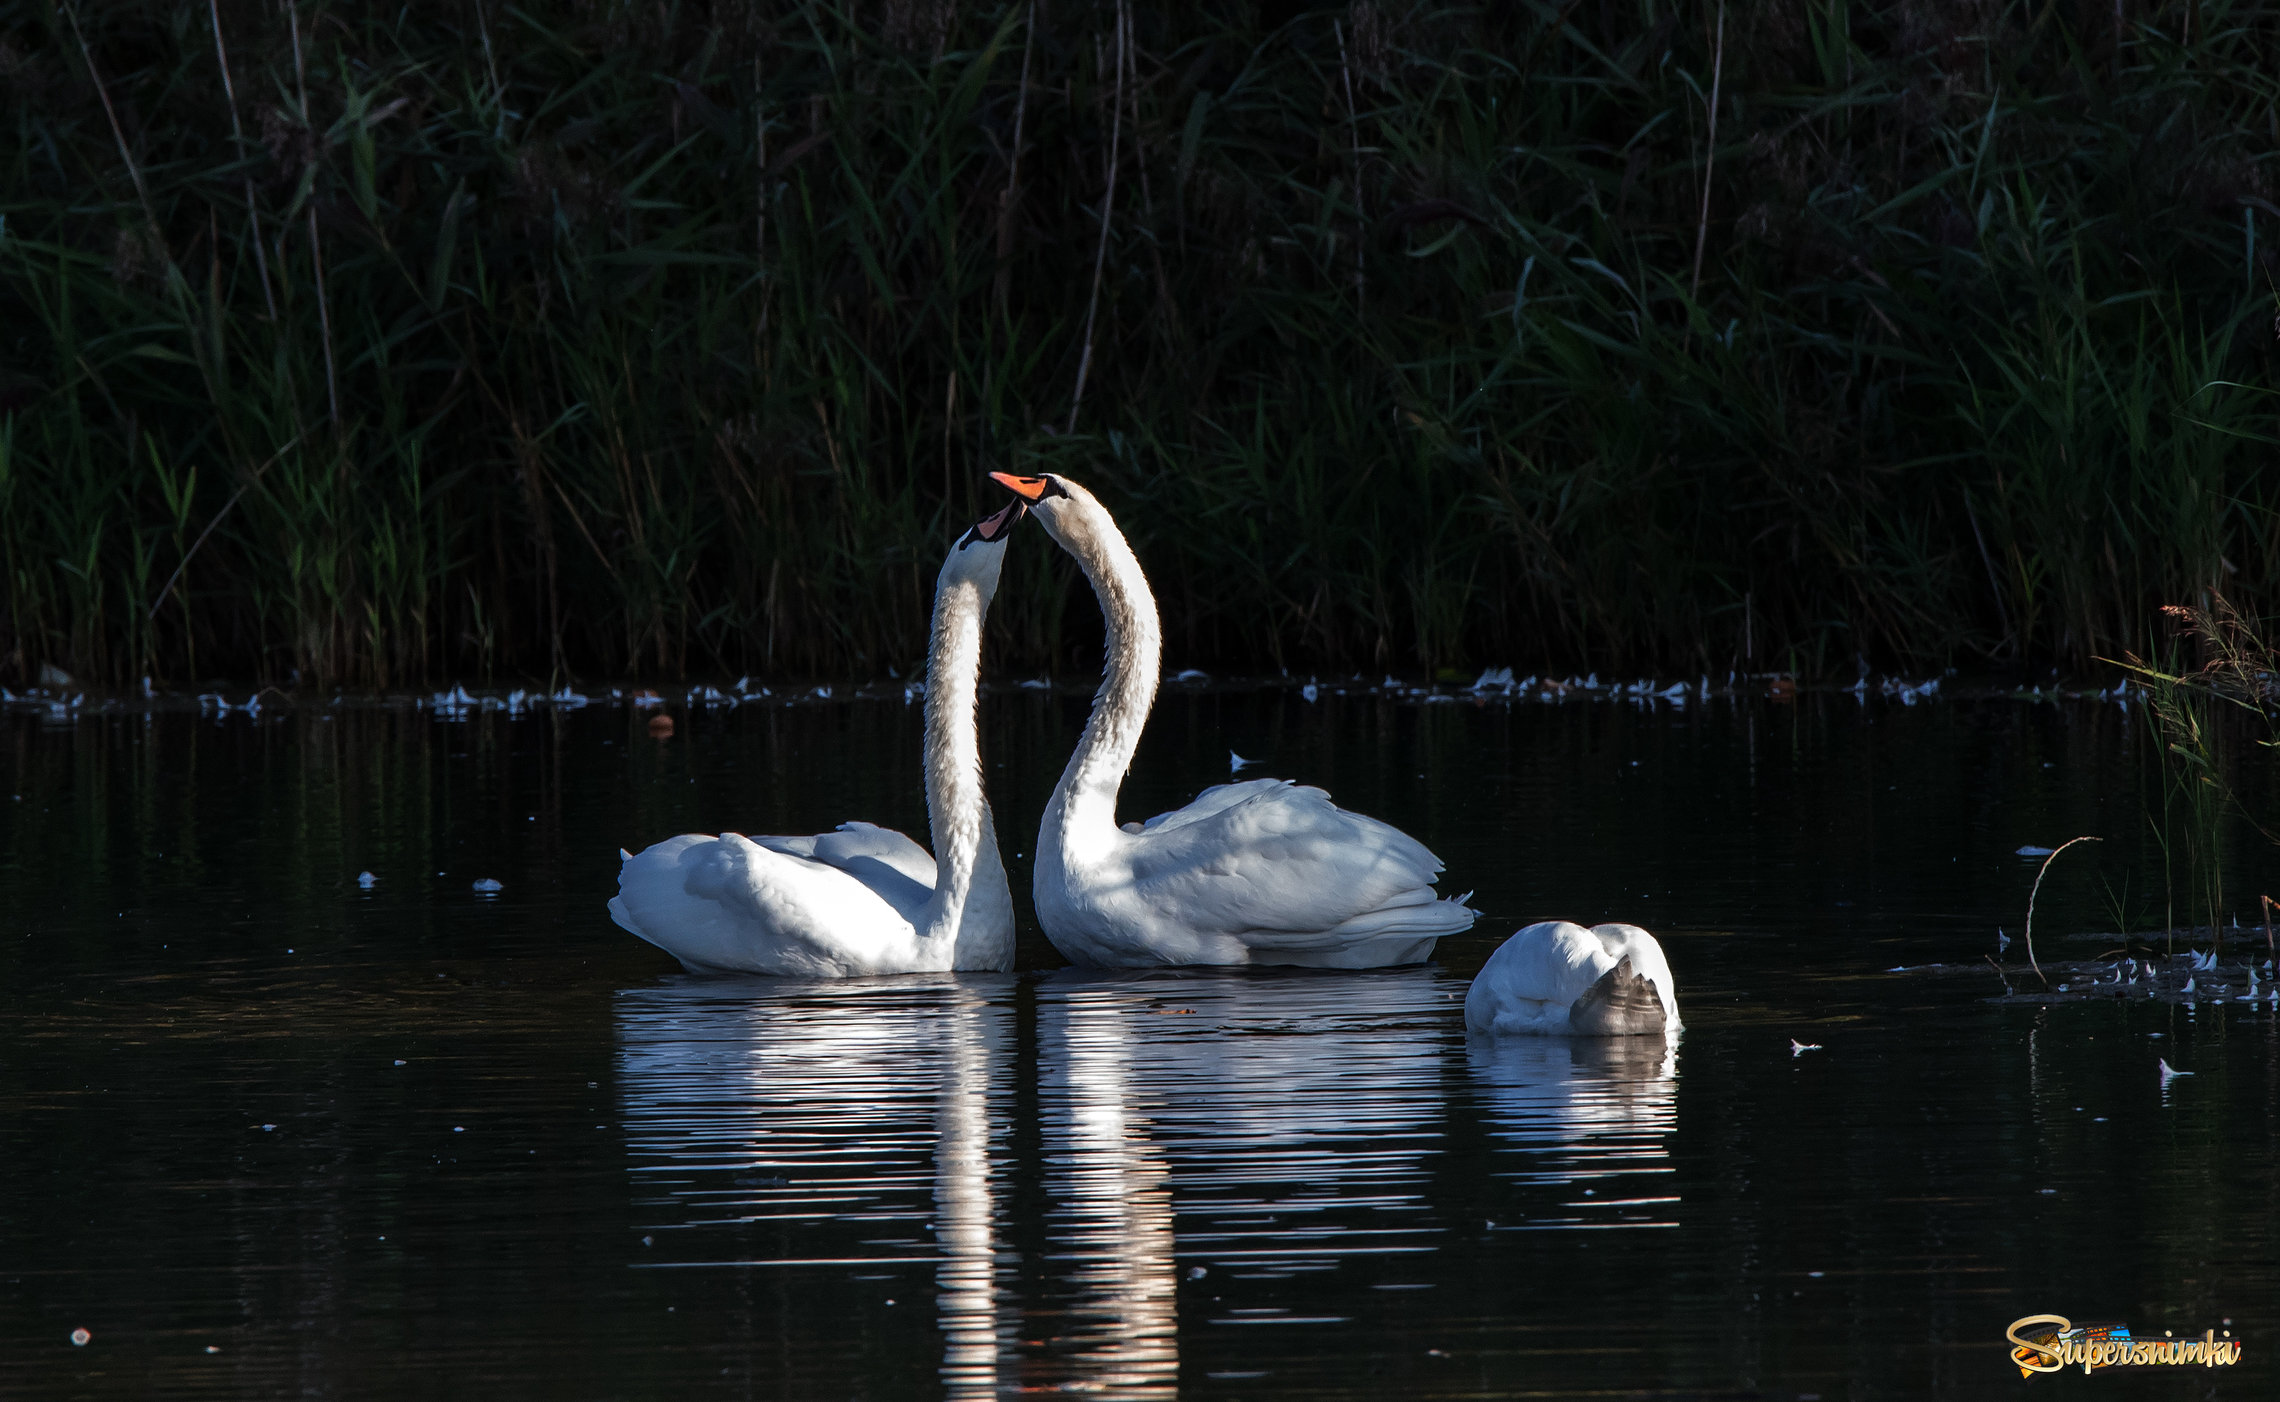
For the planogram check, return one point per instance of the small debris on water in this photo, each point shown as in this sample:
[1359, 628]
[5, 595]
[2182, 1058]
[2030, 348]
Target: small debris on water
[488, 887]
[366, 879]
[1797, 1048]
[2030, 850]
[1236, 762]
[2170, 1073]
[661, 726]
[80, 1338]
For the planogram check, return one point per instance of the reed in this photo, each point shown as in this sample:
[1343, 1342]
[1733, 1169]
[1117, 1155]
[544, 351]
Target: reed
[2236, 673]
[373, 345]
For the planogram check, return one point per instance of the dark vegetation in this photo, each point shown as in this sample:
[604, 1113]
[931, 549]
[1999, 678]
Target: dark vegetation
[370, 344]
[2220, 669]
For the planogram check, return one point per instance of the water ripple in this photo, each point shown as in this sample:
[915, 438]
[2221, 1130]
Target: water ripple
[1192, 1132]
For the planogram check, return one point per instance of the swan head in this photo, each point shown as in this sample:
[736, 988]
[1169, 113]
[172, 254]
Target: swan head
[979, 554]
[1062, 507]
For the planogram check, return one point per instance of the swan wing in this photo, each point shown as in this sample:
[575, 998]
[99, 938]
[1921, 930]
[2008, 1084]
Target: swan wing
[730, 904]
[1216, 799]
[1280, 867]
[892, 865]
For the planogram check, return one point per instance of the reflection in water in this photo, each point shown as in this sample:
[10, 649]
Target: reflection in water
[154, 875]
[965, 1282]
[810, 1111]
[1289, 1114]
[1585, 1109]
[1111, 1214]
[1211, 1137]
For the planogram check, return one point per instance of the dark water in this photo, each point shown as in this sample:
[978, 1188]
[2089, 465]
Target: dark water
[265, 1133]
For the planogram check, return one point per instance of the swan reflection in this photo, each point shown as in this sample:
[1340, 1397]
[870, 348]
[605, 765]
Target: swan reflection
[1232, 1150]
[1291, 1116]
[1594, 1113]
[834, 1121]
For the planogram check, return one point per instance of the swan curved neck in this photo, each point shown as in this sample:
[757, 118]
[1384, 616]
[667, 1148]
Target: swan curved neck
[957, 810]
[1085, 799]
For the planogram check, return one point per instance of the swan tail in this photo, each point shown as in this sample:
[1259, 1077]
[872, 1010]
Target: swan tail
[1377, 939]
[623, 918]
[1430, 918]
[654, 903]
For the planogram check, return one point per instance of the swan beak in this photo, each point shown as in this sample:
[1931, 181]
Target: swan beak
[1028, 488]
[994, 529]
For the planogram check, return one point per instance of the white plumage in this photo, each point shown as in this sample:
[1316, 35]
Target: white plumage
[864, 899]
[1558, 978]
[1259, 872]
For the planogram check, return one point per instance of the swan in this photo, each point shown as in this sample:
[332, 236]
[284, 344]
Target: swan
[1259, 872]
[865, 899]
[1559, 978]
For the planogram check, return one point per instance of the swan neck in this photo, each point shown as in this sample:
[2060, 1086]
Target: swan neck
[957, 809]
[1088, 788]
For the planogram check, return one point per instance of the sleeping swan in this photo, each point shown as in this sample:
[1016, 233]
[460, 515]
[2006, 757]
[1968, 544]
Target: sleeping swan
[1558, 978]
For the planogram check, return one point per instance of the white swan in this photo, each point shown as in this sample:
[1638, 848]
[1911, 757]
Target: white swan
[1262, 872]
[865, 899]
[1560, 978]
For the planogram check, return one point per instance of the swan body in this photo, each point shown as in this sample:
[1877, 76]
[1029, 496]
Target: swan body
[1259, 872]
[1560, 979]
[861, 900]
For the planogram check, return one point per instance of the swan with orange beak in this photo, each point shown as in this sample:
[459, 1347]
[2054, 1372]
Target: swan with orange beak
[1261, 872]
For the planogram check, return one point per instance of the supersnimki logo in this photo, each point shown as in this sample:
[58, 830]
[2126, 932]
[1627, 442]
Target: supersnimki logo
[2047, 1343]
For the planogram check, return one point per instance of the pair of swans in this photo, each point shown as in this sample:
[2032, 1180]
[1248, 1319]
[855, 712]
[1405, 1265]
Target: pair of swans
[1263, 872]
[1260, 872]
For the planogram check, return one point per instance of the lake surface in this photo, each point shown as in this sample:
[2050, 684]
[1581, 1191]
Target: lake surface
[265, 1132]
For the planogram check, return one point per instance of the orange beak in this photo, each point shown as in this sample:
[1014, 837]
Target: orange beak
[1028, 488]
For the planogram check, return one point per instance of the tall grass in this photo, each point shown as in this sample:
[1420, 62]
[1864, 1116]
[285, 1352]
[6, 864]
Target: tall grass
[370, 344]
[2219, 664]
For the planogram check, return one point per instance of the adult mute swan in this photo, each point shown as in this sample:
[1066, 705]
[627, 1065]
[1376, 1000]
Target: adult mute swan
[1262, 872]
[864, 899]
[1559, 978]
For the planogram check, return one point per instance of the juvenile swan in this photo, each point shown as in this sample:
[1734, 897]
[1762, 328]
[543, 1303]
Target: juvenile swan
[864, 899]
[1262, 872]
[1559, 978]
